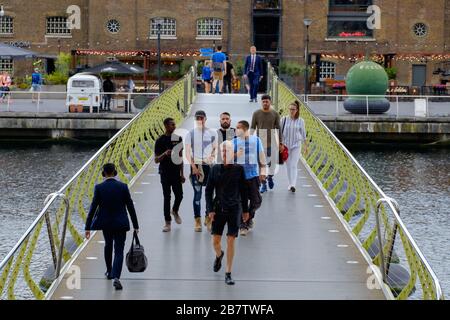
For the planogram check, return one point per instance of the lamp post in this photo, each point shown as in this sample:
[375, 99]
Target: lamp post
[307, 22]
[2, 11]
[159, 22]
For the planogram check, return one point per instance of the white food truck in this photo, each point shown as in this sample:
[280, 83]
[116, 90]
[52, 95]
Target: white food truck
[84, 93]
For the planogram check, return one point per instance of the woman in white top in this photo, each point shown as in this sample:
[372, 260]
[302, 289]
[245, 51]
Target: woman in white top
[294, 133]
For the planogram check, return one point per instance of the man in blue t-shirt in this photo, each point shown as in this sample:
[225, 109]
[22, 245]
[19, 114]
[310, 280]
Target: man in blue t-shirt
[218, 65]
[36, 83]
[249, 152]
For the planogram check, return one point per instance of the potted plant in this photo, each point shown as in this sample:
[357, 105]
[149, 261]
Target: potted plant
[392, 76]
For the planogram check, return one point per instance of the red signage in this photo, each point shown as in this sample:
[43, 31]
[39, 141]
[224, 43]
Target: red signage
[352, 34]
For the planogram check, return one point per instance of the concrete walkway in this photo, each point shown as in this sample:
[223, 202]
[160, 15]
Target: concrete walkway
[297, 250]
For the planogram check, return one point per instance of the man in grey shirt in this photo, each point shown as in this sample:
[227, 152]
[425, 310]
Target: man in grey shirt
[266, 122]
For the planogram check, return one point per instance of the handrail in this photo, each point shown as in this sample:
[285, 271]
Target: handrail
[129, 149]
[354, 194]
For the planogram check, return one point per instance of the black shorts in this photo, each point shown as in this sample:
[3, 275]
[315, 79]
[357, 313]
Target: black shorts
[232, 219]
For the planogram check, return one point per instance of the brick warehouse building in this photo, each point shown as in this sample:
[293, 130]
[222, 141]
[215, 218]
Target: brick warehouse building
[414, 35]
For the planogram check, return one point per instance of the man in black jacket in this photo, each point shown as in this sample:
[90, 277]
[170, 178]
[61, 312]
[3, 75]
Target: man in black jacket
[108, 212]
[227, 181]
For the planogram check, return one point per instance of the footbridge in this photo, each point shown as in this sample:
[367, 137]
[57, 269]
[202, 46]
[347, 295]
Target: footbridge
[338, 237]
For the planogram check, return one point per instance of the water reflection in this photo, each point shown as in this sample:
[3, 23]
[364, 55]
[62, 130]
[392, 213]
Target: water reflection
[420, 181]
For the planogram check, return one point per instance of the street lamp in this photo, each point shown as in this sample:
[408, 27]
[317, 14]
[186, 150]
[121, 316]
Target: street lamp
[307, 22]
[2, 11]
[159, 22]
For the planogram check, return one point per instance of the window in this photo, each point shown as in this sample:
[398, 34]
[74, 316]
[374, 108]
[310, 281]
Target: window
[168, 28]
[113, 26]
[57, 26]
[266, 4]
[420, 29]
[327, 70]
[348, 19]
[209, 28]
[6, 25]
[83, 84]
[6, 65]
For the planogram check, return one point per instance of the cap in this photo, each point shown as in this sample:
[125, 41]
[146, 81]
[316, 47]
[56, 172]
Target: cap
[200, 113]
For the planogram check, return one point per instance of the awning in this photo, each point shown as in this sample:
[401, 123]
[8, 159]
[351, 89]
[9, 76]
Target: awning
[11, 52]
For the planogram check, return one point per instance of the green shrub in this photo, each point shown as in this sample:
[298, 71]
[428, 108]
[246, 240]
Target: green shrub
[56, 78]
[392, 73]
[239, 67]
[292, 68]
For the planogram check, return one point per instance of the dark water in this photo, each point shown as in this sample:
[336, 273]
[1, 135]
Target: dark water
[28, 173]
[419, 179]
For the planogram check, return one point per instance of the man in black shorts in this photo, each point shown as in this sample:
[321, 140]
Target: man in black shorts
[227, 181]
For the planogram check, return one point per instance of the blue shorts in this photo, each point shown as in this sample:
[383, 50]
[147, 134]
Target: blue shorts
[36, 87]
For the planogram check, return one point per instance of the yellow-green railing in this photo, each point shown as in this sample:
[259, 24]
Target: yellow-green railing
[45, 250]
[402, 267]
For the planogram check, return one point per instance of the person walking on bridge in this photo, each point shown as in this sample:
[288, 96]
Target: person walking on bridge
[266, 122]
[249, 152]
[108, 212]
[168, 153]
[225, 133]
[201, 147]
[253, 71]
[227, 182]
[294, 133]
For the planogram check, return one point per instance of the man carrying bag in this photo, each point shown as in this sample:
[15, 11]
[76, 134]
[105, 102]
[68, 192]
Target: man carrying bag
[108, 213]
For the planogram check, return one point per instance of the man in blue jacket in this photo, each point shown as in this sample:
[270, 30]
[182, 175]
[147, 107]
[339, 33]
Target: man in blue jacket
[108, 213]
[254, 72]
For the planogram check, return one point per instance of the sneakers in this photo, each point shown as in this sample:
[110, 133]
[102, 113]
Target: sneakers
[208, 223]
[218, 262]
[263, 188]
[108, 275]
[117, 285]
[228, 280]
[176, 217]
[166, 227]
[292, 189]
[198, 224]
[271, 183]
[251, 224]
[243, 232]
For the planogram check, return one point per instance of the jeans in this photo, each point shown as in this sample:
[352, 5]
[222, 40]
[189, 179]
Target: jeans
[254, 197]
[114, 239]
[270, 164]
[170, 184]
[292, 165]
[107, 101]
[198, 191]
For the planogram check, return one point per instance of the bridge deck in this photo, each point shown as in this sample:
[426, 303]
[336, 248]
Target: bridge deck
[290, 254]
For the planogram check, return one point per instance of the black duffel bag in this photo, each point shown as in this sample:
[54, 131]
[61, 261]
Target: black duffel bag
[136, 259]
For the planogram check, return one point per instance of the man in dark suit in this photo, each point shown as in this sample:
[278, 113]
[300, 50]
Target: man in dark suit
[254, 72]
[108, 213]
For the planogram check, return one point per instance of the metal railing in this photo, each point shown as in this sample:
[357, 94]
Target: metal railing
[353, 193]
[59, 102]
[35, 263]
[402, 106]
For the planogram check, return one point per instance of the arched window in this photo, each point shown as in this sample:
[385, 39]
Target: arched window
[168, 28]
[327, 70]
[6, 25]
[209, 28]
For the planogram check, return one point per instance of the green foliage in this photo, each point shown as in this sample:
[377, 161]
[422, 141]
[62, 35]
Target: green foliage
[56, 78]
[185, 66]
[62, 63]
[292, 68]
[391, 72]
[239, 67]
[200, 66]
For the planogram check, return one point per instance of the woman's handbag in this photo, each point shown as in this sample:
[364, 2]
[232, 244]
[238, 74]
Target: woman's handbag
[285, 154]
[136, 259]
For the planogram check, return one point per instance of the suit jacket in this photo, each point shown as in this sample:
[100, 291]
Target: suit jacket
[258, 65]
[109, 207]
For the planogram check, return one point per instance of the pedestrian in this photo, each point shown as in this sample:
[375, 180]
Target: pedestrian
[218, 65]
[249, 152]
[131, 85]
[201, 147]
[36, 83]
[229, 77]
[267, 123]
[168, 153]
[207, 76]
[225, 133]
[108, 89]
[108, 212]
[226, 201]
[253, 71]
[294, 133]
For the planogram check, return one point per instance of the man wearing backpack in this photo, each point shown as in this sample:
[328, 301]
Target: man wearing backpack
[218, 62]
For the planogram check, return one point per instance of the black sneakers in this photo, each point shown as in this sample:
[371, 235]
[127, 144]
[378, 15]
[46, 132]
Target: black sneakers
[117, 285]
[108, 275]
[218, 262]
[228, 280]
